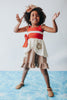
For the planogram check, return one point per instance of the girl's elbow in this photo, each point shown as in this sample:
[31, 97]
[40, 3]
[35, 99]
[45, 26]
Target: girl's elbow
[15, 31]
[55, 30]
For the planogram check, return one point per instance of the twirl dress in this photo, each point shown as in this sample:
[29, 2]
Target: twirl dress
[35, 53]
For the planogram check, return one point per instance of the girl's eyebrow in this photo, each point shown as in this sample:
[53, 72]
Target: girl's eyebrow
[33, 14]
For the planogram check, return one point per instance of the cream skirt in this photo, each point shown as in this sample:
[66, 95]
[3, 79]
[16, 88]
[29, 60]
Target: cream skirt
[33, 60]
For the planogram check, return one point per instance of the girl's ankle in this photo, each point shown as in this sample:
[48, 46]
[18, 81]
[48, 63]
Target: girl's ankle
[22, 82]
[48, 86]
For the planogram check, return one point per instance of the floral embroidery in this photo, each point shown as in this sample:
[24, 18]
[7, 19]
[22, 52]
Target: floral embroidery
[39, 46]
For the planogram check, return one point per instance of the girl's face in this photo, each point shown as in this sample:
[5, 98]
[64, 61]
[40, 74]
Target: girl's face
[34, 18]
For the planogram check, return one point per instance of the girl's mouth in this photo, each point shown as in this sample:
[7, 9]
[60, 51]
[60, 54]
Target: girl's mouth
[35, 19]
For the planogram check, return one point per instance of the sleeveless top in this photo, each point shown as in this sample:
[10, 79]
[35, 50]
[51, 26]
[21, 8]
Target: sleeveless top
[34, 40]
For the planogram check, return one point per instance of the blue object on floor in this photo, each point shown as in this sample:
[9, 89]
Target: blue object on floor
[35, 86]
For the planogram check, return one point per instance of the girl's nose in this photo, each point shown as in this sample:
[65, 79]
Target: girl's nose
[35, 16]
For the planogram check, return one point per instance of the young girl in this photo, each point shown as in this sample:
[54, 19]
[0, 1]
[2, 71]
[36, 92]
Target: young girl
[36, 54]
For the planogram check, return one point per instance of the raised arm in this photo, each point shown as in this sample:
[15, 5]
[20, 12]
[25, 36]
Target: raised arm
[54, 28]
[17, 29]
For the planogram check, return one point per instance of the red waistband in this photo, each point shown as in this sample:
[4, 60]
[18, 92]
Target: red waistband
[32, 35]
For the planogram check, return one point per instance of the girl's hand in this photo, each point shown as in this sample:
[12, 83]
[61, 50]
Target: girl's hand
[55, 15]
[18, 18]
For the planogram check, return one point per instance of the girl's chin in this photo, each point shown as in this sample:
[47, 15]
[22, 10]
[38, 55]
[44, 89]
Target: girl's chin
[35, 23]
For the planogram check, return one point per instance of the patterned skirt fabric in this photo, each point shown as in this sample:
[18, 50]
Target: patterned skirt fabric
[33, 60]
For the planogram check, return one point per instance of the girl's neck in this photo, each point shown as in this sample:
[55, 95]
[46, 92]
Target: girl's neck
[34, 25]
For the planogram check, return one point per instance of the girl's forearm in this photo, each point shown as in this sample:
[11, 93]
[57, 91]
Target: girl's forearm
[17, 27]
[55, 28]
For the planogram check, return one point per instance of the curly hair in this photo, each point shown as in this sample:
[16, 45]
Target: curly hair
[40, 13]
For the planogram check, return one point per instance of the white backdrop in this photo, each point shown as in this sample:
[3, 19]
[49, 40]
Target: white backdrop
[11, 51]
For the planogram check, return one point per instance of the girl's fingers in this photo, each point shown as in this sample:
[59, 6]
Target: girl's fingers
[22, 17]
[58, 13]
[18, 18]
[17, 15]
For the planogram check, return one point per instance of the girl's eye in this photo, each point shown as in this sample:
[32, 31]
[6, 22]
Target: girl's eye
[35, 15]
[32, 14]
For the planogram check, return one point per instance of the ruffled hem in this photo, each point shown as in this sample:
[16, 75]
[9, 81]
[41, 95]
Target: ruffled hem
[33, 60]
[28, 65]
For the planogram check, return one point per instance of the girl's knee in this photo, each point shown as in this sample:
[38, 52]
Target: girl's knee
[26, 69]
[44, 71]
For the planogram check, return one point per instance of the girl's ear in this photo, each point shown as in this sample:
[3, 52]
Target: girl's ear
[29, 20]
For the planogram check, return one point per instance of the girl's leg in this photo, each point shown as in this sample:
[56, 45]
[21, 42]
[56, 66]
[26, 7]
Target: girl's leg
[25, 71]
[46, 77]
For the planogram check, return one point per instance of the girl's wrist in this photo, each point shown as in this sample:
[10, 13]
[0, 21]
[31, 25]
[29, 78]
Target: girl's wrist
[19, 23]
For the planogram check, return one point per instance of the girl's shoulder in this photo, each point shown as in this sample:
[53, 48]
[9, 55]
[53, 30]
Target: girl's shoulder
[43, 26]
